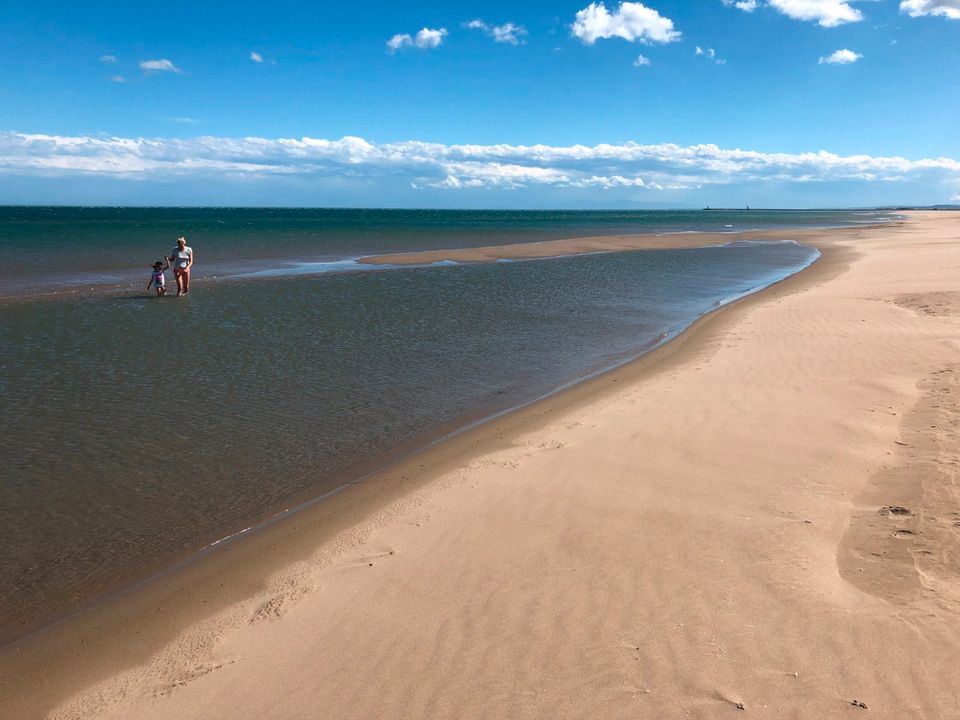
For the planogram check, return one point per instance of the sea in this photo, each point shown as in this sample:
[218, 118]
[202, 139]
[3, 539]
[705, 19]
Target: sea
[136, 431]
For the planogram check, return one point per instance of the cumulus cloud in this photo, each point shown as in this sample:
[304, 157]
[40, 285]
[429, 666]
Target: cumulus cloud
[400, 40]
[647, 168]
[710, 54]
[919, 8]
[745, 5]
[641, 61]
[509, 32]
[632, 21]
[827, 13]
[841, 57]
[426, 38]
[162, 65]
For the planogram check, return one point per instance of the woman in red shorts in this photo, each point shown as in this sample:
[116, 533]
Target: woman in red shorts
[182, 260]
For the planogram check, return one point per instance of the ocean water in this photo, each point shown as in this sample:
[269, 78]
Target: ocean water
[57, 250]
[135, 430]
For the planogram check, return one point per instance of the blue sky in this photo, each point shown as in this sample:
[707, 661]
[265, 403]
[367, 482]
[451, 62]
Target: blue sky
[663, 103]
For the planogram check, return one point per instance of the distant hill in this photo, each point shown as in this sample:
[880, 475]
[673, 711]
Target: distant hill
[922, 207]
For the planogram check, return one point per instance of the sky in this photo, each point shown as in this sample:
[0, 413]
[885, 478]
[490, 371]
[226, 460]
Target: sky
[661, 103]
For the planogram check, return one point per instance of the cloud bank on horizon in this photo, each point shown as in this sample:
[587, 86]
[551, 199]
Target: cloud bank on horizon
[653, 170]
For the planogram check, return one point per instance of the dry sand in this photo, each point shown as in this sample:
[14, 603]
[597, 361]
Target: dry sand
[765, 511]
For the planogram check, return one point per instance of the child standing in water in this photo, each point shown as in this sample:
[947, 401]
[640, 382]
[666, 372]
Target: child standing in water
[157, 280]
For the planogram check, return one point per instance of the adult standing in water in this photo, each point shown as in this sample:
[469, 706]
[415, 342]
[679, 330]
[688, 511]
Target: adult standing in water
[182, 260]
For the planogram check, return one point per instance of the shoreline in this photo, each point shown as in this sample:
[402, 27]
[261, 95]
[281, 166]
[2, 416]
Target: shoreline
[335, 512]
[321, 538]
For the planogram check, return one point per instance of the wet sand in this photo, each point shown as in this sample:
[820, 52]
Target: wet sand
[763, 512]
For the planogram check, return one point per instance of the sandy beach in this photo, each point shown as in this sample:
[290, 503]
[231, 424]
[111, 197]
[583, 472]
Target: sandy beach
[763, 514]
[577, 246]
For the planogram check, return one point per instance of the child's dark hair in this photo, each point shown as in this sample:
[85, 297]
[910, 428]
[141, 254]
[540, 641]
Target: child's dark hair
[158, 262]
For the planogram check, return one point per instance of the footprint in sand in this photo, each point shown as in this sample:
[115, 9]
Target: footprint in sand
[277, 606]
[895, 511]
[188, 676]
[550, 445]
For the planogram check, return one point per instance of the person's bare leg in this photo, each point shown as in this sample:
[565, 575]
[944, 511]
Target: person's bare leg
[179, 278]
[186, 281]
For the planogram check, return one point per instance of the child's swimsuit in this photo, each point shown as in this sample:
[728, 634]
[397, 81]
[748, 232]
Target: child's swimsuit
[158, 279]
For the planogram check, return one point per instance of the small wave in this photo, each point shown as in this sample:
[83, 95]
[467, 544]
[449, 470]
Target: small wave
[307, 268]
[755, 241]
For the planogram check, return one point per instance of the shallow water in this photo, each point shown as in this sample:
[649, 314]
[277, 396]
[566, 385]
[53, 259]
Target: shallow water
[137, 429]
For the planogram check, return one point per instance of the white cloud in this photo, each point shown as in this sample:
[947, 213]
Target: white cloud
[632, 21]
[509, 32]
[745, 5]
[828, 13]
[108, 58]
[118, 79]
[710, 54]
[641, 61]
[162, 65]
[256, 57]
[650, 168]
[919, 8]
[398, 41]
[426, 38]
[841, 57]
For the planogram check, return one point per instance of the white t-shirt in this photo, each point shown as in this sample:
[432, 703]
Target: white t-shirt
[181, 258]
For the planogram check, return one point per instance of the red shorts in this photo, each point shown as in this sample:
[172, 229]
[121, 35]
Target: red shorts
[182, 271]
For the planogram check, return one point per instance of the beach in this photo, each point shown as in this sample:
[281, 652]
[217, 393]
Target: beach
[761, 514]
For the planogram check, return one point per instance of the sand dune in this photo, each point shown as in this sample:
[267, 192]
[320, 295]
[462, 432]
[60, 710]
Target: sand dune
[765, 513]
